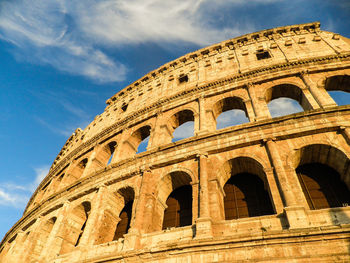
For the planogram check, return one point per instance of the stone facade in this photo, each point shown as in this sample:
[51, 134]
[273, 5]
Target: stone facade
[75, 211]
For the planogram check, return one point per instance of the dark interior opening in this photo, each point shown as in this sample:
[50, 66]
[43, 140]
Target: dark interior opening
[263, 55]
[246, 197]
[179, 210]
[322, 186]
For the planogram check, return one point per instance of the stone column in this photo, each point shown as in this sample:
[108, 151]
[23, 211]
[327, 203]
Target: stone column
[92, 225]
[144, 211]
[68, 177]
[217, 200]
[203, 222]
[312, 103]
[123, 148]
[203, 186]
[160, 134]
[319, 93]
[197, 130]
[202, 116]
[13, 252]
[259, 104]
[296, 214]
[90, 163]
[275, 195]
[55, 239]
[250, 110]
[29, 251]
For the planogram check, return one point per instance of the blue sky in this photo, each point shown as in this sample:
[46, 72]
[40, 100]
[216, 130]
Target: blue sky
[62, 59]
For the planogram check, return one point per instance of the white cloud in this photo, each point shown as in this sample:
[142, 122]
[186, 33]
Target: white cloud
[76, 36]
[284, 106]
[185, 130]
[17, 195]
[43, 33]
[231, 118]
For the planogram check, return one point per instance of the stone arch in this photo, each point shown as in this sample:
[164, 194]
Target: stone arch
[246, 189]
[77, 171]
[241, 164]
[130, 146]
[228, 104]
[45, 231]
[117, 218]
[288, 90]
[324, 175]
[178, 119]
[75, 226]
[337, 83]
[176, 186]
[104, 155]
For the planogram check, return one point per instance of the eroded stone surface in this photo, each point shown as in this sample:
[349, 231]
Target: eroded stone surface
[74, 213]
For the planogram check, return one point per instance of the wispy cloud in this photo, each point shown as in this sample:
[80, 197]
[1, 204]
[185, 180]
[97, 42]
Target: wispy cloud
[79, 36]
[66, 130]
[283, 106]
[17, 195]
[231, 118]
[186, 130]
[44, 31]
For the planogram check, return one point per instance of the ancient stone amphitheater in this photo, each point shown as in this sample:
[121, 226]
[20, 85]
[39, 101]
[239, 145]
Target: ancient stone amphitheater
[270, 189]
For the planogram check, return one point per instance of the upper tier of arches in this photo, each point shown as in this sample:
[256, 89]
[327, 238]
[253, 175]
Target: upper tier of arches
[204, 113]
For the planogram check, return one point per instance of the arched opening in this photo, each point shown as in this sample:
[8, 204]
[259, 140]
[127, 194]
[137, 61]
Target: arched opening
[322, 186]
[338, 88]
[124, 223]
[126, 196]
[45, 232]
[181, 125]
[175, 192]
[229, 112]
[116, 219]
[245, 196]
[286, 99]
[179, 208]
[246, 189]
[76, 223]
[324, 176]
[137, 142]
[78, 170]
[107, 152]
[143, 145]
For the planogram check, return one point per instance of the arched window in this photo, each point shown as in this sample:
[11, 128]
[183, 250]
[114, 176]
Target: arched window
[75, 227]
[79, 168]
[229, 112]
[245, 196]
[322, 186]
[124, 223]
[339, 88]
[137, 142]
[179, 208]
[109, 150]
[324, 175]
[46, 229]
[286, 99]
[182, 125]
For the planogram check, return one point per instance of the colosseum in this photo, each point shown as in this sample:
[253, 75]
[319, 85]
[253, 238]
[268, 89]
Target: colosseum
[270, 189]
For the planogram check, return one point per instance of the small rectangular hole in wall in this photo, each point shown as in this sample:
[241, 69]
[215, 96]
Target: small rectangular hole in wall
[183, 79]
[263, 55]
[124, 107]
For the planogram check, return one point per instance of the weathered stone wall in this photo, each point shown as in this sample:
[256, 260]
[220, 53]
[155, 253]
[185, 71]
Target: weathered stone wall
[73, 214]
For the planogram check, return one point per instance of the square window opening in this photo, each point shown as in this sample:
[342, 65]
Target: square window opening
[183, 79]
[263, 55]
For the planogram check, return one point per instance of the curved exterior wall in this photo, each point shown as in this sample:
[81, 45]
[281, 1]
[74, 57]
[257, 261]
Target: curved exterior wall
[73, 214]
